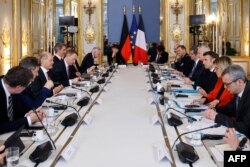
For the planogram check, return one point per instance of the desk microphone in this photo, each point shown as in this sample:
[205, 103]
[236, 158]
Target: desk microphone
[73, 87]
[94, 89]
[197, 130]
[42, 151]
[187, 153]
[49, 101]
[154, 75]
[101, 81]
[191, 119]
[85, 100]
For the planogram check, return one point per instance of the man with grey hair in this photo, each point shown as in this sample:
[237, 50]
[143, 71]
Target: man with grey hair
[88, 64]
[235, 114]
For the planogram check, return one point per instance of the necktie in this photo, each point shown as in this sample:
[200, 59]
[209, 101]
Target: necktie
[192, 72]
[157, 58]
[237, 102]
[48, 77]
[10, 109]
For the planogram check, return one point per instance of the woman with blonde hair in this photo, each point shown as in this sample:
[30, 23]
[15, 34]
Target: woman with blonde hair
[219, 96]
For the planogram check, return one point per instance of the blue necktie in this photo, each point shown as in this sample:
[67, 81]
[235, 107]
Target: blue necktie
[237, 102]
[10, 109]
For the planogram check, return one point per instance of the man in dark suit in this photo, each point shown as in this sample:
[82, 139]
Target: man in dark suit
[88, 64]
[152, 53]
[60, 51]
[234, 79]
[62, 71]
[197, 67]
[208, 78]
[184, 64]
[41, 88]
[162, 55]
[12, 114]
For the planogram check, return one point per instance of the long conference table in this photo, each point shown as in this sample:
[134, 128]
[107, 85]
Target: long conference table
[121, 132]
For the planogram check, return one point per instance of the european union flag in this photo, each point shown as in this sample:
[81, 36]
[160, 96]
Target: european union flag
[133, 31]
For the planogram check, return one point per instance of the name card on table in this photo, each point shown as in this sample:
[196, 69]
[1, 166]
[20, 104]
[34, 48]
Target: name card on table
[98, 101]
[156, 119]
[105, 89]
[117, 70]
[87, 119]
[122, 66]
[162, 153]
[68, 152]
[145, 66]
[151, 100]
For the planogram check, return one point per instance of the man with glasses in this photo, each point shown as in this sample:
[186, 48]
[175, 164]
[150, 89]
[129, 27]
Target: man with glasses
[235, 114]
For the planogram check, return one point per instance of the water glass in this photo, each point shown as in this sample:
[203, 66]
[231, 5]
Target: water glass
[12, 156]
[50, 118]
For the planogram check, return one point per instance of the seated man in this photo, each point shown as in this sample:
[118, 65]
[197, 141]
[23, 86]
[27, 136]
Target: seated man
[63, 72]
[88, 64]
[12, 114]
[41, 88]
[162, 55]
[184, 63]
[208, 78]
[234, 79]
[197, 67]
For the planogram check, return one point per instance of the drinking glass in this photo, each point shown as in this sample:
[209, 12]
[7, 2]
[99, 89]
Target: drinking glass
[12, 156]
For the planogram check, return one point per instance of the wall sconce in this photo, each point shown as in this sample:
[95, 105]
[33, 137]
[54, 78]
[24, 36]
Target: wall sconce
[89, 31]
[5, 37]
[176, 32]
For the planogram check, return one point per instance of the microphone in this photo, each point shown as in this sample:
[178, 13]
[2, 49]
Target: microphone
[101, 81]
[241, 144]
[191, 119]
[49, 101]
[106, 74]
[154, 75]
[94, 89]
[213, 126]
[81, 90]
[85, 100]
[187, 153]
[43, 151]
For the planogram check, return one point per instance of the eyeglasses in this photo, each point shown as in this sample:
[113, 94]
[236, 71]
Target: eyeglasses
[228, 84]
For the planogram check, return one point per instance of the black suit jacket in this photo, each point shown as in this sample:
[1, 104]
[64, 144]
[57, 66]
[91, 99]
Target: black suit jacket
[184, 65]
[18, 113]
[163, 58]
[197, 71]
[38, 83]
[152, 52]
[242, 117]
[59, 74]
[206, 80]
[87, 62]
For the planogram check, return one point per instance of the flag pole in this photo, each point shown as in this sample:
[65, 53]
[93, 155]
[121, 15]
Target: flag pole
[124, 9]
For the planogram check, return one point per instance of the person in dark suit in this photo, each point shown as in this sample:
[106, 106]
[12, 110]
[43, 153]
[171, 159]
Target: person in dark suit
[202, 85]
[62, 71]
[162, 55]
[12, 113]
[236, 114]
[88, 64]
[116, 56]
[184, 63]
[60, 51]
[152, 53]
[41, 88]
[76, 68]
[197, 67]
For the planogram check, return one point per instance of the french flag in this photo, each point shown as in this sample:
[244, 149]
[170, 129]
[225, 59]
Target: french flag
[140, 52]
